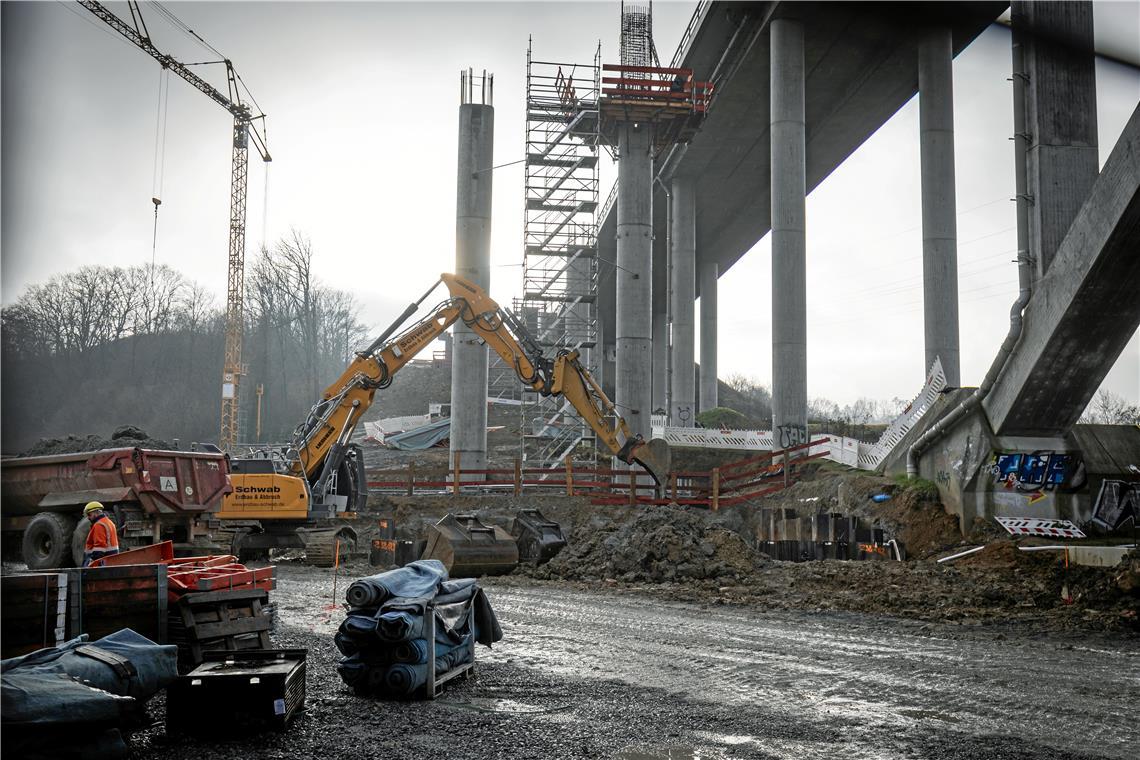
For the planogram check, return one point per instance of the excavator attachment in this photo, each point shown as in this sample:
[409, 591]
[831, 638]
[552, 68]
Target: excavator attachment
[468, 548]
[654, 456]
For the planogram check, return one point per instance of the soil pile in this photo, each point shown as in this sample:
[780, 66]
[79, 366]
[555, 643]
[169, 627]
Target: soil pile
[664, 544]
[123, 437]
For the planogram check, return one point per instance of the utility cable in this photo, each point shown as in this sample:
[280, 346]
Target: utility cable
[265, 208]
[160, 122]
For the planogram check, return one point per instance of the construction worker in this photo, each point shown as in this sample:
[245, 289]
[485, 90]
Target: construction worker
[103, 537]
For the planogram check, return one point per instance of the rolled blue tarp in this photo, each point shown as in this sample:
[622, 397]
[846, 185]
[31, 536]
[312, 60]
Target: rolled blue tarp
[416, 579]
[401, 620]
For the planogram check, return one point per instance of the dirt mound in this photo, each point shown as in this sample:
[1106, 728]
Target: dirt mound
[661, 544]
[123, 436]
[922, 525]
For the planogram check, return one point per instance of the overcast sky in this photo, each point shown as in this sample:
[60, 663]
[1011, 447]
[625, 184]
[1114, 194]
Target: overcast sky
[362, 100]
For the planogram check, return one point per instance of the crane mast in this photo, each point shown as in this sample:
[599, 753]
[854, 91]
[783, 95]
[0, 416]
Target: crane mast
[245, 128]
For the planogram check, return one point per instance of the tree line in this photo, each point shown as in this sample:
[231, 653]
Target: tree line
[102, 346]
[747, 403]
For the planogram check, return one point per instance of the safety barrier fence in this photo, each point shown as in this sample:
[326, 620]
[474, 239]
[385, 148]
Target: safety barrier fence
[732, 483]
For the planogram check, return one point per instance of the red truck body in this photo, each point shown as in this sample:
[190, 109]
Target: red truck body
[152, 495]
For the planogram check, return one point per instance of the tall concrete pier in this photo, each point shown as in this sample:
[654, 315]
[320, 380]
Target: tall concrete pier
[660, 357]
[633, 392]
[789, 275]
[939, 215]
[709, 389]
[683, 286]
[473, 261]
[1060, 110]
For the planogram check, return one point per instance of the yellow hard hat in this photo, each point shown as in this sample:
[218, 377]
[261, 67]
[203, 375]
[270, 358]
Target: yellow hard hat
[91, 507]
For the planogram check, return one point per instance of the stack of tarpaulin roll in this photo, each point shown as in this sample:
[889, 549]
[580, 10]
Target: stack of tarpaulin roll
[384, 638]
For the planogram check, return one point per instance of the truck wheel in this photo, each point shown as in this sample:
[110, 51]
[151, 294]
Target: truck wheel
[47, 541]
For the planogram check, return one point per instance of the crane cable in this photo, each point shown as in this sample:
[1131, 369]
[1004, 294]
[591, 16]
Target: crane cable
[159, 155]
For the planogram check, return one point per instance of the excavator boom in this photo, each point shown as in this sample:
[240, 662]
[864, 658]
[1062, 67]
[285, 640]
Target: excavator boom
[332, 421]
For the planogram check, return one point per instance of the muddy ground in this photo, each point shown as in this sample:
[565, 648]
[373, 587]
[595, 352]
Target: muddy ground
[600, 671]
[686, 554]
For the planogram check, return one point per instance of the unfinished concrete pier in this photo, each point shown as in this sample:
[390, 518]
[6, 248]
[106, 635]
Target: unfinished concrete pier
[473, 261]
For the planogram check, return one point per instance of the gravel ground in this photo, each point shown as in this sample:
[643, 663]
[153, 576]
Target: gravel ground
[612, 672]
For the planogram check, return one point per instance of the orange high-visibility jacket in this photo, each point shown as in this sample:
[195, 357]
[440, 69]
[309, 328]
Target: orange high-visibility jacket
[102, 536]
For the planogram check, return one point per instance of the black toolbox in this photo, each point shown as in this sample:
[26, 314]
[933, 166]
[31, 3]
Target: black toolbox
[238, 692]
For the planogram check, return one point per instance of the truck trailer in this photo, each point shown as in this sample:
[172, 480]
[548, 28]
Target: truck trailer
[151, 495]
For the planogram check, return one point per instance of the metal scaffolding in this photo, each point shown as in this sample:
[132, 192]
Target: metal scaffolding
[560, 261]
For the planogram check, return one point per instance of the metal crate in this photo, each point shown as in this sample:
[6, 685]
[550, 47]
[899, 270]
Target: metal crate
[238, 692]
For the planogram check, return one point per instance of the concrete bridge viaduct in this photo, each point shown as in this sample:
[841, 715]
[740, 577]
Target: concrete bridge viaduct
[799, 87]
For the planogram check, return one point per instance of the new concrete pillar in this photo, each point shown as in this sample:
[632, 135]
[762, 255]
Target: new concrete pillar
[709, 272]
[473, 261]
[789, 274]
[939, 214]
[1060, 112]
[683, 294]
[633, 382]
[660, 361]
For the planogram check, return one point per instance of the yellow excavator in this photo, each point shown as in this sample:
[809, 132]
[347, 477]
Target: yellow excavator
[294, 497]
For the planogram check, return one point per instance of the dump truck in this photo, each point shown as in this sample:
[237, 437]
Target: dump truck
[151, 495]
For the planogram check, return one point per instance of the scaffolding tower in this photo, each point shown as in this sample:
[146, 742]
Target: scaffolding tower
[560, 236]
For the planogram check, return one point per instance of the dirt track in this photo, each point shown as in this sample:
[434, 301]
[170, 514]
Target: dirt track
[607, 673]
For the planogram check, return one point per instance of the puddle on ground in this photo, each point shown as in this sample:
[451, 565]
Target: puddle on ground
[507, 706]
[670, 753]
[729, 739]
[923, 714]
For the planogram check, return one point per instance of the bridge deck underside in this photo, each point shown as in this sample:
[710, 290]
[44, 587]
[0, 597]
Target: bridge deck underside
[861, 64]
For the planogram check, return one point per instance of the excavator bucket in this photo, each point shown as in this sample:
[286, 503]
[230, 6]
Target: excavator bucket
[468, 548]
[655, 457]
[538, 539]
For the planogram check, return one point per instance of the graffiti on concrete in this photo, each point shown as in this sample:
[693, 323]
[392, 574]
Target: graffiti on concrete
[943, 477]
[791, 435]
[1116, 502]
[1038, 471]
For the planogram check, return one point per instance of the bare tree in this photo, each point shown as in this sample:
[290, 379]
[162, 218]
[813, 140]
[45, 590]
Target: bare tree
[1108, 408]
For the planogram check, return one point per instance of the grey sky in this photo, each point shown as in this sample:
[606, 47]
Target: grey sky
[362, 104]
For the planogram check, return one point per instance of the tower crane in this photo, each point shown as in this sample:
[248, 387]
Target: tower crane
[247, 125]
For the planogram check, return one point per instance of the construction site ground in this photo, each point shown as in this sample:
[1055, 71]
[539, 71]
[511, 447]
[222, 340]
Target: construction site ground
[663, 632]
[612, 671]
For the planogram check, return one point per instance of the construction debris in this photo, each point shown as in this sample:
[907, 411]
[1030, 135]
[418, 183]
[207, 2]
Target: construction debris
[125, 435]
[662, 544]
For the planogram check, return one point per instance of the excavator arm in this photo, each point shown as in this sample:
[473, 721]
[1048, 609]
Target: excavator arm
[562, 376]
[320, 441]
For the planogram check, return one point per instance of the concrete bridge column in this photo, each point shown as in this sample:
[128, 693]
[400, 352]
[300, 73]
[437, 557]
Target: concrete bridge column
[660, 359]
[939, 223]
[633, 384]
[473, 261]
[709, 389]
[683, 292]
[789, 246]
[1060, 112]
